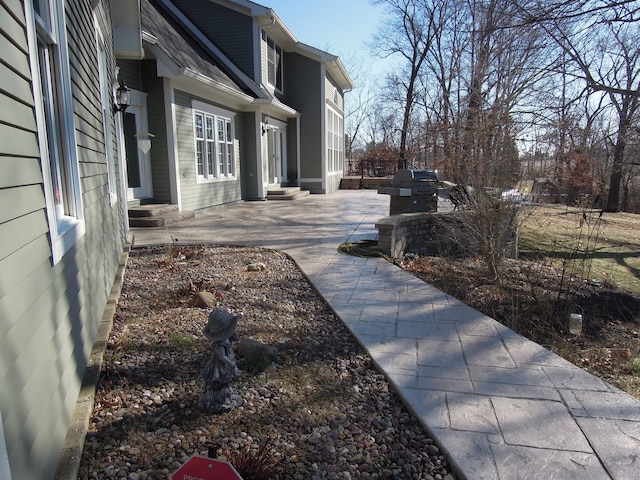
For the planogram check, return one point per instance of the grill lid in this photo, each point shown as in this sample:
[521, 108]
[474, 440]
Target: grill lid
[408, 177]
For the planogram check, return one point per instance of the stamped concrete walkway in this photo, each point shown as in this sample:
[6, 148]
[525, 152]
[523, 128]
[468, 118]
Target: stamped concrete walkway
[500, 406]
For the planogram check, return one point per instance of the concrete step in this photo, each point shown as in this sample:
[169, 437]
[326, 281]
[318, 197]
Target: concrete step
[161, 220]
[286, 193]
[152, 210]
[157, 215]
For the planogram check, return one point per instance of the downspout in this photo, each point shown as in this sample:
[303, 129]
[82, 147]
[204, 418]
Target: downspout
[259, 163]
[298, 162]
[124, 195]
[122, 163]
[323, 129]
[262, 194]
[172, 144]
[258, 61]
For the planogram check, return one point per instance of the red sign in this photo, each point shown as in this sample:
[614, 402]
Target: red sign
[203, 468]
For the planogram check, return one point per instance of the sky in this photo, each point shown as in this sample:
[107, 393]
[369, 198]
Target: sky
[340, 27]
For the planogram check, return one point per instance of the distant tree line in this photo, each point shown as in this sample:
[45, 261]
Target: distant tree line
[489, 92]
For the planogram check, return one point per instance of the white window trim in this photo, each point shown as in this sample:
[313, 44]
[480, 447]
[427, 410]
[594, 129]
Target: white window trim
[5, 469]
[107, 101]
[276, 47]
[335, 156]
[217, 113]
[64, 230]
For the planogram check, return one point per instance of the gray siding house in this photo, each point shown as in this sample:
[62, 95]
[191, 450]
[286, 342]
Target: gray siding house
[228, 105]
[62, 213]
[225, 104]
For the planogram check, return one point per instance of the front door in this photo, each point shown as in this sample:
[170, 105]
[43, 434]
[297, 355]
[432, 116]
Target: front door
[137, 141]
[276, 156]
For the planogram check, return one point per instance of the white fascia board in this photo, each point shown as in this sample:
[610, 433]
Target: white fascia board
[283, 27]
[313, 53]
[333, 63]
[276, 106]
[126, 25]
[340, 74]
[165, 67]
[149, 39]
[266, 16]
[210, 91]
[225, 89]
[270, 22]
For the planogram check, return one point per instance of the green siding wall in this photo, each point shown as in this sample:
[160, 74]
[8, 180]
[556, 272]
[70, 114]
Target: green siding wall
[334, 98]
[130, 72]
[333, 90]
[48, 314]
[304, 87]
[248, 154]
[206, 194]
[157, 125]
[292, 150]
[229, 30]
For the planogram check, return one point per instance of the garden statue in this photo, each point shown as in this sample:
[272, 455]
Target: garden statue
[218, 396]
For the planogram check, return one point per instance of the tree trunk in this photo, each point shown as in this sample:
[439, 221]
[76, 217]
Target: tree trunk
[613, 200]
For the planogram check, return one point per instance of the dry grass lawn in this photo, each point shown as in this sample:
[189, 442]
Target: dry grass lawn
[571, 260]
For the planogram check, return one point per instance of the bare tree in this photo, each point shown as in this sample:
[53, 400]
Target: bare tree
[442, 88]
[360, 105]
[621, 71]
[601, 39]
[408, 32]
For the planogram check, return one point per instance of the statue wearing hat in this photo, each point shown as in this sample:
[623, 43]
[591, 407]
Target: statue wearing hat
[221, 370]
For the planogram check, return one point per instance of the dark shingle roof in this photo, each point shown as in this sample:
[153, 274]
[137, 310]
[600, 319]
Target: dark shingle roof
[183, 48]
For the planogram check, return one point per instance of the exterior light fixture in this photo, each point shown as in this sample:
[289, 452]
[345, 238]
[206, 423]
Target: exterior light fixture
[123, 97]
[266, 127]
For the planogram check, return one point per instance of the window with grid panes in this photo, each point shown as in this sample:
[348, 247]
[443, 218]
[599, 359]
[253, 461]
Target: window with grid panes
[335, 136]
[214, 146]
[274, 63]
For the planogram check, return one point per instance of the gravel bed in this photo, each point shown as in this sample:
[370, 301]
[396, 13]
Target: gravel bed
[320, 411]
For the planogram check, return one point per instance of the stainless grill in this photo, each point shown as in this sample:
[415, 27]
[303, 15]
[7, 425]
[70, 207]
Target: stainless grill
[413, 191]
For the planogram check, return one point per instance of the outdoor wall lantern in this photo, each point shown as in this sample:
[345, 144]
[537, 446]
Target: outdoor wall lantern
[266, 127]
[123, 97]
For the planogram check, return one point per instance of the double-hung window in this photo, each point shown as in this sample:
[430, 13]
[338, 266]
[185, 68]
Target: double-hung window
[274, 63]
[214, 142]
[54, 117]
[335, 141]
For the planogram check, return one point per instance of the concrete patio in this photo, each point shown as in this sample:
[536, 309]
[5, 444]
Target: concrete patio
[500, 406]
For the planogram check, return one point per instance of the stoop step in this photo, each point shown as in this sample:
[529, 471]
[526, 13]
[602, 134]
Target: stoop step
[157, 215]
[152, 210]
[286, 193]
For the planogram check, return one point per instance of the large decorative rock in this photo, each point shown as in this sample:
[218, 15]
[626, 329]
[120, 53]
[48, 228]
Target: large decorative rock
[255, 351]
[204, 300]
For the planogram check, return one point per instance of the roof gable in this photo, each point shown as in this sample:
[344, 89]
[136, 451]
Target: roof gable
[185, 53]
[269, 21]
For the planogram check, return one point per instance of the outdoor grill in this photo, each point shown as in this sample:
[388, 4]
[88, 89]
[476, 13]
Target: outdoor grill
[413, 190]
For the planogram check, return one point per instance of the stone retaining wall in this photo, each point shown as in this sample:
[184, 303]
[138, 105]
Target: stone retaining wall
[429, 234]
[358, 183]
